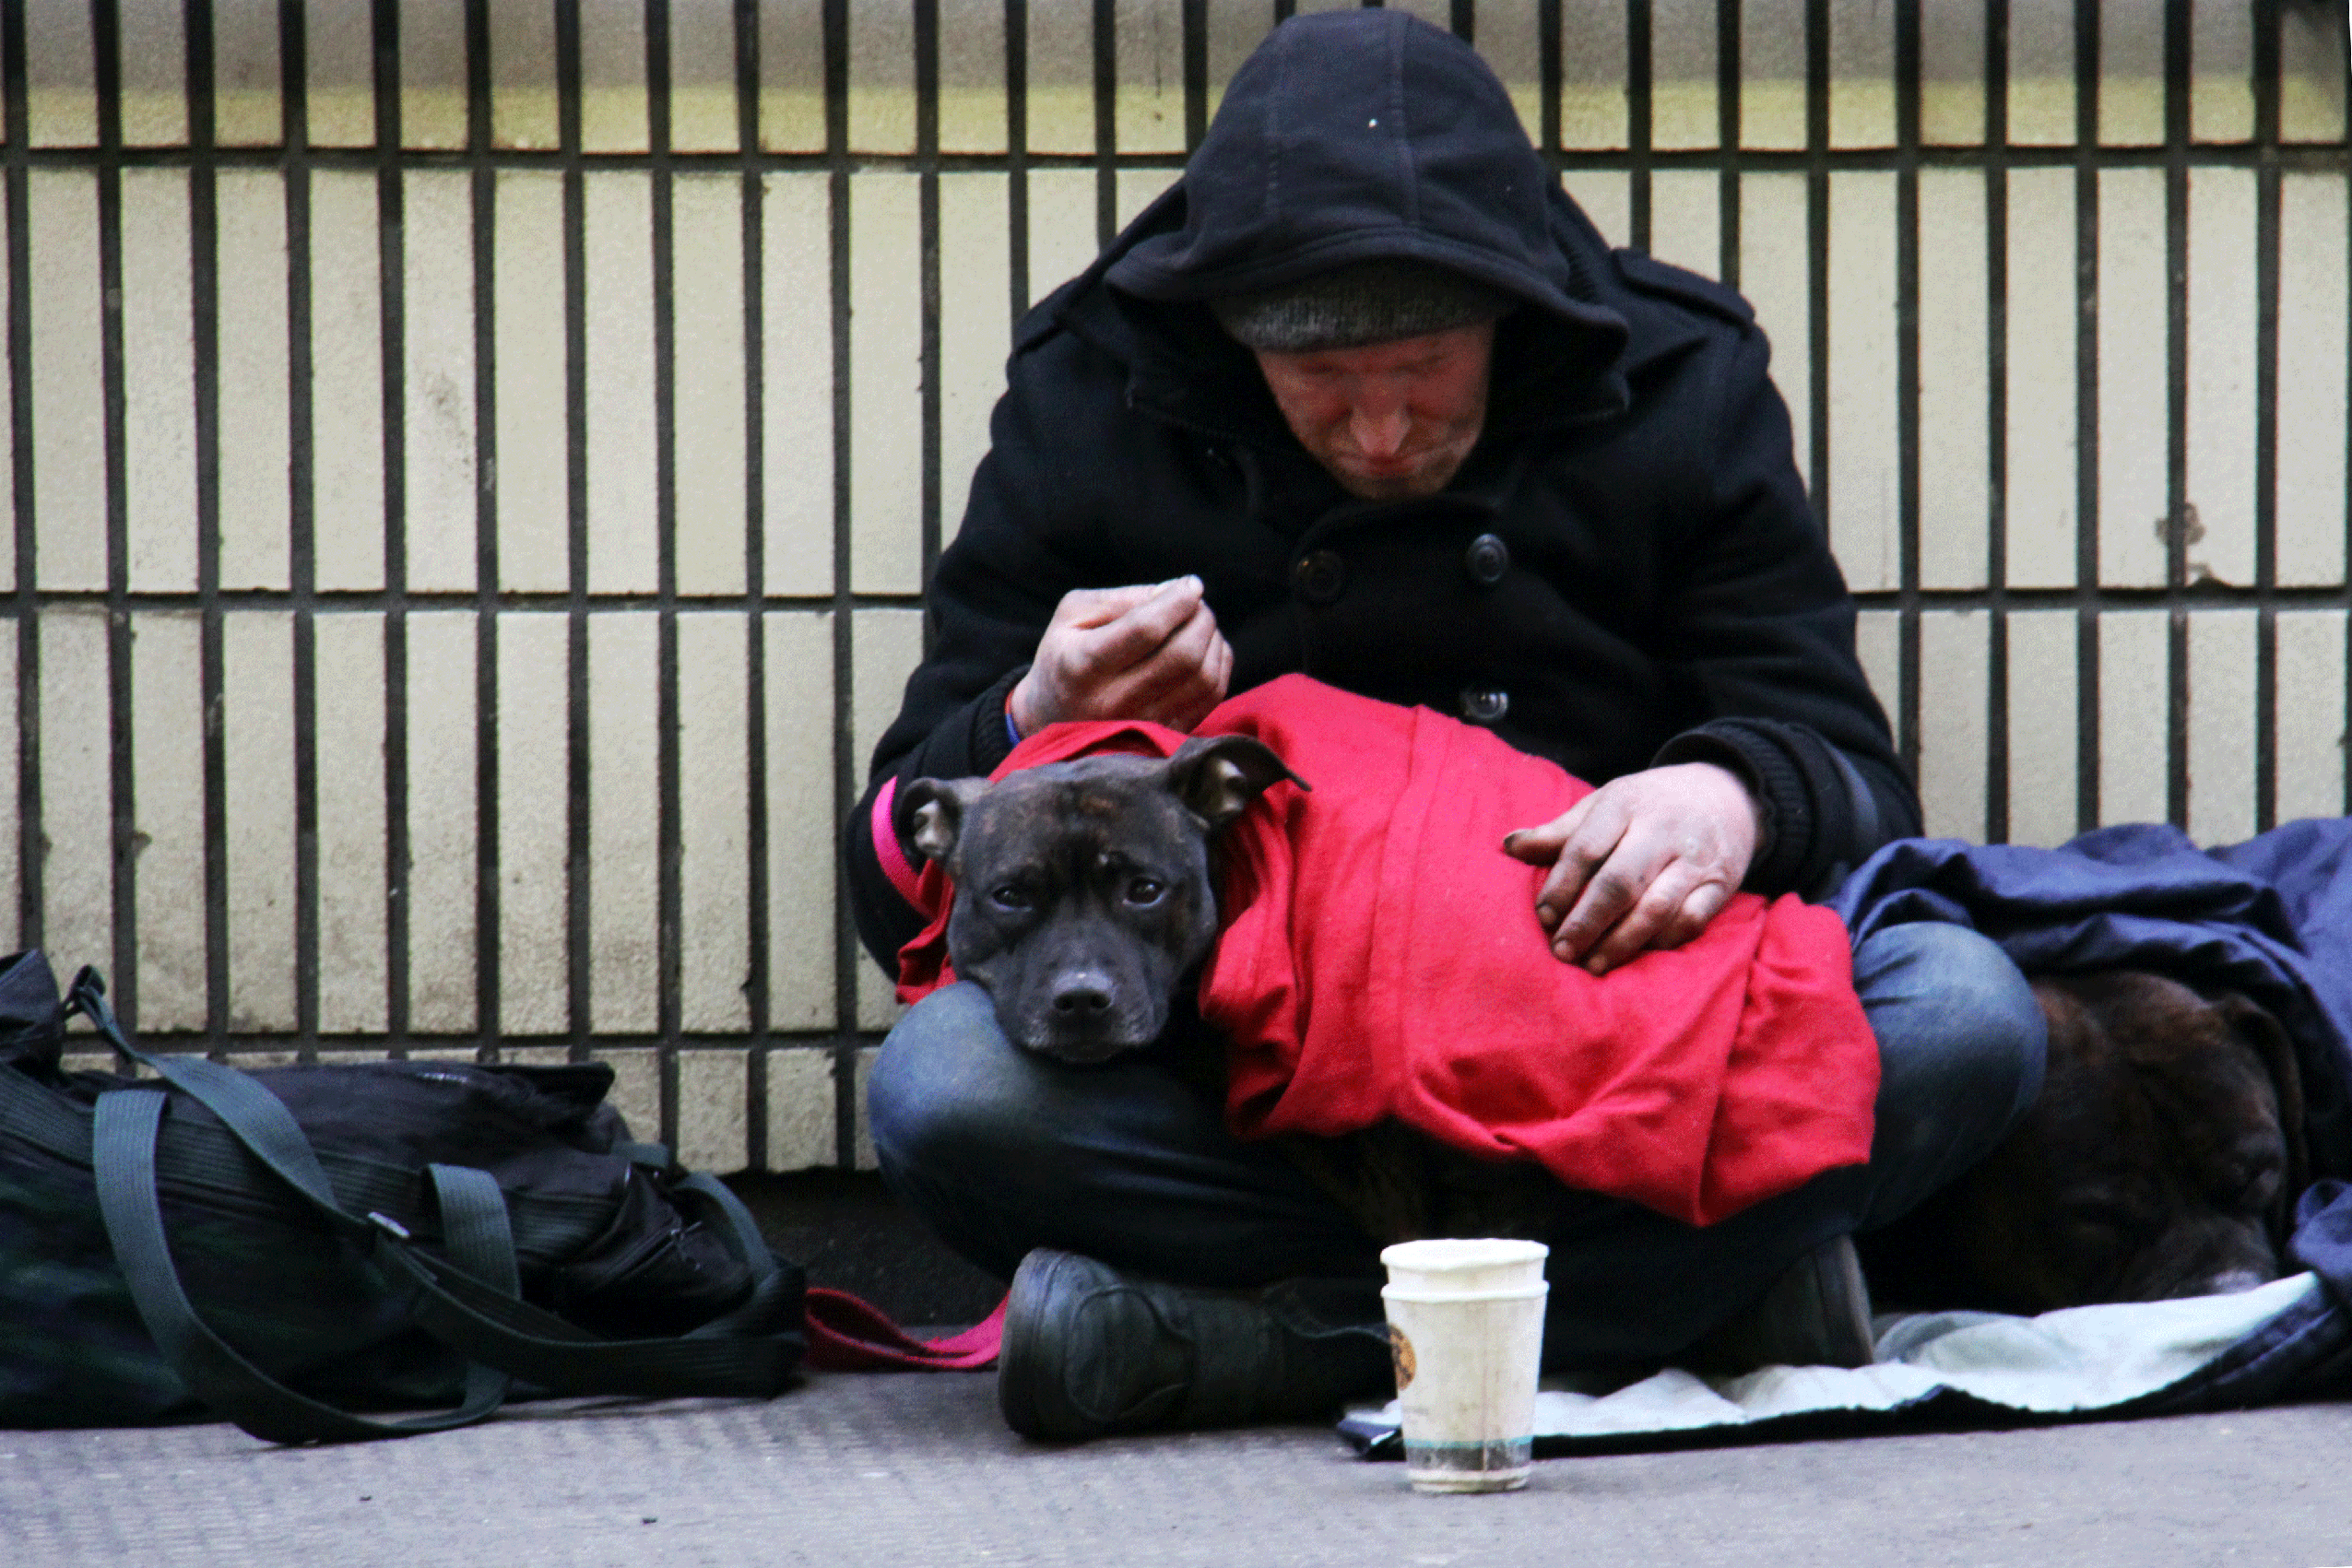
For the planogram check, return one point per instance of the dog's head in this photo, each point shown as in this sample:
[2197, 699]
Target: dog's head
[1083, 894]
[2161, 1160]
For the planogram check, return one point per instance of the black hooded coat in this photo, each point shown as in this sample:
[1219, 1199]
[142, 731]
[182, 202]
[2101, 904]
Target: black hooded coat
[1625, 573]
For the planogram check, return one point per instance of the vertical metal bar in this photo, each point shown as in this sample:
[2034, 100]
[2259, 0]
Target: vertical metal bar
[204, 228]
[926, 166]
[575, 383]
[1640, 110]
[1196, 67]
[2267, 198]
[293, 66]
[28, 602]
[2086, 566]
[757, 989]
[1906, 367]
[107, 78]
[1996, 418]
[1727, 135]
[391, 267]
[847, 763]
[1016, 130]
[2177, 520]
[669, 935]
[482, 179]
[1105, 120]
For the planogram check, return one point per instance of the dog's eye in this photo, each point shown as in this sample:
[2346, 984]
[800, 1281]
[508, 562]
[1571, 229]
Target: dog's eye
[1144, 891]
[1008, 897]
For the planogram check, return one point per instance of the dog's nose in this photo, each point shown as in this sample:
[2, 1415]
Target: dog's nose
[1086, 997]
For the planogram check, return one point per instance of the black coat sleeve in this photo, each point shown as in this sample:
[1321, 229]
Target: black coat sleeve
[1762, 623]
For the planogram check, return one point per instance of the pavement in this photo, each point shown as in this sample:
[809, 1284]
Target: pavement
[910, 1470]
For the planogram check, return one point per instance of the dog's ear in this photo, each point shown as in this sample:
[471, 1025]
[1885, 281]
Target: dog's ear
[2254, 1025]
[929, 814]
[1218, 775]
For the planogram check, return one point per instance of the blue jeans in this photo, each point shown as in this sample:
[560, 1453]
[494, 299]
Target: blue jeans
[1000, 1150]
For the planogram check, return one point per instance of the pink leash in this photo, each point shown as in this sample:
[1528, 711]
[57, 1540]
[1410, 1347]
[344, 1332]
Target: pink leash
[846, 1334]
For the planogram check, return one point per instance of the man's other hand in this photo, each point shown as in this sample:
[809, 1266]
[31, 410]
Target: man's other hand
[1151, 651]
[1643, 862]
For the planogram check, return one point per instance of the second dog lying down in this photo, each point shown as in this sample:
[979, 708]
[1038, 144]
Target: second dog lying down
[2162, 1159]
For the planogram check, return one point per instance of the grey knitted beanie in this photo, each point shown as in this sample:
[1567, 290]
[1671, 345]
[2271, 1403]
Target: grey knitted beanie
[1369, 301]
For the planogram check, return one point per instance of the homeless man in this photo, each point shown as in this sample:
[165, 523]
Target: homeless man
[1365, 397]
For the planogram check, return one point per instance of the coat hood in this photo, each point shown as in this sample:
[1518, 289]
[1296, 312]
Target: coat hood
[1352, 136]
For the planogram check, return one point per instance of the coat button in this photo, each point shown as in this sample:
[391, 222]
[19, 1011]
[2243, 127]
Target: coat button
[1485, 705]
[1319, 576]
[1488, 559]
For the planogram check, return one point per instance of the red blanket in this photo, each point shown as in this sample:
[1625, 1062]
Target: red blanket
[1381, 959]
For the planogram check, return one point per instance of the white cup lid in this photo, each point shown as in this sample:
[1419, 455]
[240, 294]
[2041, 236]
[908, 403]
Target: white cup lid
[1444, 1255]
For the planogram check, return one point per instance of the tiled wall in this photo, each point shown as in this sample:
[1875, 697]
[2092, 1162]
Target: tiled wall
[474, 462]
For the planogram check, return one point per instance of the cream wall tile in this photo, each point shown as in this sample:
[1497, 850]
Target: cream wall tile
[792, 75]
[1955, 453]
[347, 382]
[154, 55]
[1686, 219]
[9, 283]
[1879, 648]
[612, 75]
[701, 79]
[2134, 716]
[2314, 344]
[61, 93]
[167, 814]
[1235, 27]
[882, 78]
[1954, 669]
[976, 328]
[532, 480]
[68, 394]
[159, 383]
[885, 384]
[255, 456]
[2045, 727]
[353, 971]
[523, 108]
[1061, 228]
[711, 1099]
[338, 55]
[2132, 378]
[2130, 73]
[2221, 725]
[862, 1146]
[1952, 97]
[432, 75]
[1772, 71]
[1510, 36]
[707, 317]
[1606, 196]
[1865, 499]
[973, 107]
[623, 542]
[2039, 487]
[801, 814]
[257, 756]
[800, 1110]
[2311, 733]
[2221, 67]
[624, 823]
[1862, 73]
[1594, 105]
[1147, 113]
[534, 825]
[714, 822]
[796, 391]
[76, 791]
[11, 801]
[2223, 320]
[247, 107]
[1060, 42]
[1139, 188]
[1686, 109]
[637, 1090]
[439, 423]
[1775, 273]
[2041, 75]
[442, 878]
[885, 646]
[2311, 77]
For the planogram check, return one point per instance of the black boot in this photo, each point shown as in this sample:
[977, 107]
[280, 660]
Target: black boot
[1088, 1351]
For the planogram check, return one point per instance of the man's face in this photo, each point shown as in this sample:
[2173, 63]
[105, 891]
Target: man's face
[1392, 421]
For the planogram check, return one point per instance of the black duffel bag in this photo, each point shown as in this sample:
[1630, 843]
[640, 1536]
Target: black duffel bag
[282, 1247]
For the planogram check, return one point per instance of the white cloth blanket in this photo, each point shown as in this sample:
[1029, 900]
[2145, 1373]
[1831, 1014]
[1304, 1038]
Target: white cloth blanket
[2074, 1362]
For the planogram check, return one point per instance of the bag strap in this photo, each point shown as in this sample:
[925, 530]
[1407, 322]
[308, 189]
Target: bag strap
[127, 1121]
[459, 1302]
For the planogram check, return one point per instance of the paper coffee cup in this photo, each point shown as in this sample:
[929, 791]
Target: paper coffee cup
[1466, 1321]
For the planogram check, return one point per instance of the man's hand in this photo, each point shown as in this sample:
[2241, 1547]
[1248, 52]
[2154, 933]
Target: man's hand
[1152, 651]
[1645, 861]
